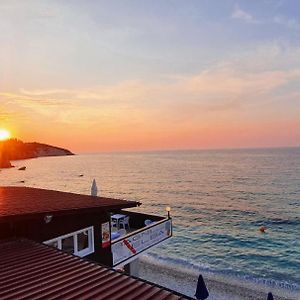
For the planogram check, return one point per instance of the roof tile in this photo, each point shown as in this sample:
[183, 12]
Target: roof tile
[34, 271]
[16, 201]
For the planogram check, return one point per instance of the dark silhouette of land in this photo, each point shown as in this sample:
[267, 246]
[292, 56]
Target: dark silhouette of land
[14, 149]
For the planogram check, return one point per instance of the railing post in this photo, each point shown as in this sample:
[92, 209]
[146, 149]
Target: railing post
[168, 209]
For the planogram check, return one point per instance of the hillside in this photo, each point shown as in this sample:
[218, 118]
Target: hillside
[14, 149]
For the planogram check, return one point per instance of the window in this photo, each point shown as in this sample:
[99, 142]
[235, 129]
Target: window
[82, 240]
[80, 243]
[67, 244]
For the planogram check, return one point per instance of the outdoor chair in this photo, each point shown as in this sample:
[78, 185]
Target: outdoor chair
[148, 222]
[113, 223]
[125, 222]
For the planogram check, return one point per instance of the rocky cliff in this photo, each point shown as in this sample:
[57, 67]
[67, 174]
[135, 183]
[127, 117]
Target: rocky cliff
[4, 160]
[14, 149]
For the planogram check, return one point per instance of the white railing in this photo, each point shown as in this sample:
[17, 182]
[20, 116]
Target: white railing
[131, 245]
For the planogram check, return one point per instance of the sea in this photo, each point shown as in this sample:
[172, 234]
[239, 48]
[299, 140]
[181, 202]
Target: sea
[219, 199]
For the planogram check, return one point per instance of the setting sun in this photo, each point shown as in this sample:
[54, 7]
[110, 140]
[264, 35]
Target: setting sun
[4, 134]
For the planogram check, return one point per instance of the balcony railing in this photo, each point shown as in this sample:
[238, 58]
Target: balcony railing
[126, 248]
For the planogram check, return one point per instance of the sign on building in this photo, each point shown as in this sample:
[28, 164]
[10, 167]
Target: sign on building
[105, 235]
[139, 242]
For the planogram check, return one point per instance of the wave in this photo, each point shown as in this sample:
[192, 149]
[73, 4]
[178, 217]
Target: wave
[277, 221]
[193, 268]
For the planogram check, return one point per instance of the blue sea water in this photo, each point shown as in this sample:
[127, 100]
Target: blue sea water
[219, 200]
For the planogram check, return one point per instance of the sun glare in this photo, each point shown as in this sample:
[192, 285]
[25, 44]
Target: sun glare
[4, 134]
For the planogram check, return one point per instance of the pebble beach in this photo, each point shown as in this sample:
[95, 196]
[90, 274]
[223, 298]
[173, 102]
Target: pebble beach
[185, 281]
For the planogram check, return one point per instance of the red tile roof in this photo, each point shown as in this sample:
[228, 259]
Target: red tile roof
[34, 271]
[16, 201]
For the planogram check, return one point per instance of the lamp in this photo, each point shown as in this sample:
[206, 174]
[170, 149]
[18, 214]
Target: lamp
[168, 209]
[48, 218]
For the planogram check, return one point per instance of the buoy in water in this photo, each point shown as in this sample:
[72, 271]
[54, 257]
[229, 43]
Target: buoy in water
[262, 229]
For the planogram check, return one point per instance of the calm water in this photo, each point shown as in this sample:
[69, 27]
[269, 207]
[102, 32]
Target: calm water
[219, 200]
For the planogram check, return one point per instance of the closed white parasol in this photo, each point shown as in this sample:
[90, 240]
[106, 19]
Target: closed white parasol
[94, 189]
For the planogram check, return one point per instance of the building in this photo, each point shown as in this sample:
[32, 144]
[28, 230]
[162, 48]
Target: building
[95, 228]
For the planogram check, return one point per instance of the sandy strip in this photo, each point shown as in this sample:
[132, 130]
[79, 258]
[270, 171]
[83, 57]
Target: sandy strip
[185, 282]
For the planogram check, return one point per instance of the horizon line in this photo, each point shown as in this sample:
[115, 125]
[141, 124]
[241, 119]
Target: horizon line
[189, 149]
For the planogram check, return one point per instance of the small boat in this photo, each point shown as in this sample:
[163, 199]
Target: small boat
[22, 169]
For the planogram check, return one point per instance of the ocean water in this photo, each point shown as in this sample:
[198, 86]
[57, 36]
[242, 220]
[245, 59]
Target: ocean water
[219, 200]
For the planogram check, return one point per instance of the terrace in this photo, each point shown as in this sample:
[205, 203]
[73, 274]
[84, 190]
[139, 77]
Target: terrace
[133, 233]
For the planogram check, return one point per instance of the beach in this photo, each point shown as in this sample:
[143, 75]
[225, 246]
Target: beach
[220, 288]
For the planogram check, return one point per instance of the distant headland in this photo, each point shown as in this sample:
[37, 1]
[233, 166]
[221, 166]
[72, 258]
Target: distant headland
[14, 149]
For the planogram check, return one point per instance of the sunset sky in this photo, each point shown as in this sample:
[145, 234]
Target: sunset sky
[143, 75]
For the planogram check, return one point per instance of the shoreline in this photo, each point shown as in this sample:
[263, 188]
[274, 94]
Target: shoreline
[220, 288]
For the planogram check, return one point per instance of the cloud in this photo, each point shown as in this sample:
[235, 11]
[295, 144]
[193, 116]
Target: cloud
[242, 15]
[219, 90]
[290, 23]
[8, 114]
[4, 116]
[22, 106]
[249, 81]
[26, 98]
